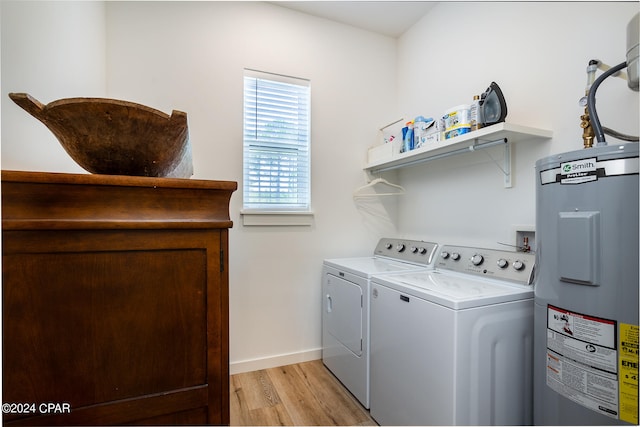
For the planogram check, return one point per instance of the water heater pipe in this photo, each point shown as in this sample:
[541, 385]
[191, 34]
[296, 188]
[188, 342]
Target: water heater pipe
[585, 121]
[591, 102]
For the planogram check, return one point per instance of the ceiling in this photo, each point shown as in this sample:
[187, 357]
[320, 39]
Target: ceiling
[391, 18]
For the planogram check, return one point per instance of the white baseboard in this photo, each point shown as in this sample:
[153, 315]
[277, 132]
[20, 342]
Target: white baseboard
[274, 361]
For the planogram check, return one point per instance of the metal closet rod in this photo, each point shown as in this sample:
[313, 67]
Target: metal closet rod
[472, 147]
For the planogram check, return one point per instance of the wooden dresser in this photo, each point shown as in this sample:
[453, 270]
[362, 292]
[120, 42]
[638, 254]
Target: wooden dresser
[115, 300]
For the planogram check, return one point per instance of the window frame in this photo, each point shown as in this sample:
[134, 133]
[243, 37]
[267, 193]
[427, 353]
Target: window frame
[277, 213]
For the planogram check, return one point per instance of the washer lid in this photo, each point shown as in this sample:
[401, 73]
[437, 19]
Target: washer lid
[368, 266]
[453, 290]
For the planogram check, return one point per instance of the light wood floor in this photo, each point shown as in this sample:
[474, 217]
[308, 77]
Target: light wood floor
[304, 394]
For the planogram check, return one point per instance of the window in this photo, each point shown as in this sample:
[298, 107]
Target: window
[276, 144]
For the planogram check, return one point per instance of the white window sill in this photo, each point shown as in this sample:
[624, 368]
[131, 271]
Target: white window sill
[276, 218]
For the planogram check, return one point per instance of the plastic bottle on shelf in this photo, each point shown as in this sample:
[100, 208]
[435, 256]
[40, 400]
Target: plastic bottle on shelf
[475, 111]
[407, 141]
[419, 131]
[440, 126]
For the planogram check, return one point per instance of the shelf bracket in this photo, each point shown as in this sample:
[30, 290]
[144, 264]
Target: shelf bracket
[507, 165]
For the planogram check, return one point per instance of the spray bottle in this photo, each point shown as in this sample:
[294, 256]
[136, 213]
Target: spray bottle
[407, 137]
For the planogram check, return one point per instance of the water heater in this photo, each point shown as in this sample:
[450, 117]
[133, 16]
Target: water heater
[586, 287]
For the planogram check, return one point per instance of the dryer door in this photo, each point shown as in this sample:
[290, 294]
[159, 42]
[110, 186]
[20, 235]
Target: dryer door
[343, 312]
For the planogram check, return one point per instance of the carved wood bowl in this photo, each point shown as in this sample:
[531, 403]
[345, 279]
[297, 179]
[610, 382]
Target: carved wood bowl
[113, 137]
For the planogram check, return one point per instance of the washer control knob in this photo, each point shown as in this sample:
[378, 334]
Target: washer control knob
[400, 247]
[389, 245]
[477, 259]
[444, 254]
[518, 265]
[502, 263]
[422, 251]
[414, 250]
[455, 256]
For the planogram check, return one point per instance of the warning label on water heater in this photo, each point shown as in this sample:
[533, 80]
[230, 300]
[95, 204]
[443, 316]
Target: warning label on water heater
[629, 341]
[582, 359]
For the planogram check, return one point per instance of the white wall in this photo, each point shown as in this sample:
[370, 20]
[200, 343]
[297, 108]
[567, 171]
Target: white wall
[538, 53]
[50, 50]
[190, 57]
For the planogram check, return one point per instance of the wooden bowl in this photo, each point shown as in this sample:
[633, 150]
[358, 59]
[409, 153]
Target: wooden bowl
[113, 137]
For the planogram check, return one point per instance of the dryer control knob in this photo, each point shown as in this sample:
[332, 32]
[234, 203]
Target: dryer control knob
[477, 259]
[444, 254]
[518, 265]
[414, 249]
[422, 251]
[455, 256]
[503, 263]
[400, 247]
[389, 245]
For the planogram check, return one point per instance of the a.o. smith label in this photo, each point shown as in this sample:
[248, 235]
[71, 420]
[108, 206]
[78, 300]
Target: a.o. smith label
[578, 171]
[589, 170]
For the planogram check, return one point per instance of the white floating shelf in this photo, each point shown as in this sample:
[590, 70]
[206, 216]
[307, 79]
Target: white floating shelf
[498, 134]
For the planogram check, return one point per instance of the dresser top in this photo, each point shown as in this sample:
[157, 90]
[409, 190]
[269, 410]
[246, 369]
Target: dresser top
[43, 200]
[115, 180]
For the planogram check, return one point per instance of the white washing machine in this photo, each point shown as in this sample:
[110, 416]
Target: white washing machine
[453, 345]
[345, 312]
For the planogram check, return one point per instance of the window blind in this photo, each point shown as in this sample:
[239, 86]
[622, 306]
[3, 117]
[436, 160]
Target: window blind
[276, 142]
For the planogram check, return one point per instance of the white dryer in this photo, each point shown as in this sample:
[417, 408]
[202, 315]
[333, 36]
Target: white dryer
[453, 345]
[345, 311]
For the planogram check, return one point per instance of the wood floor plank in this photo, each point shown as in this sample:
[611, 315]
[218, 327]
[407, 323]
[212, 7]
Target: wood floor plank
[254, 401]
[258, 390]
[300, 402]
[271, 416]
[240, 414]
[333, 397]
[304, 394]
